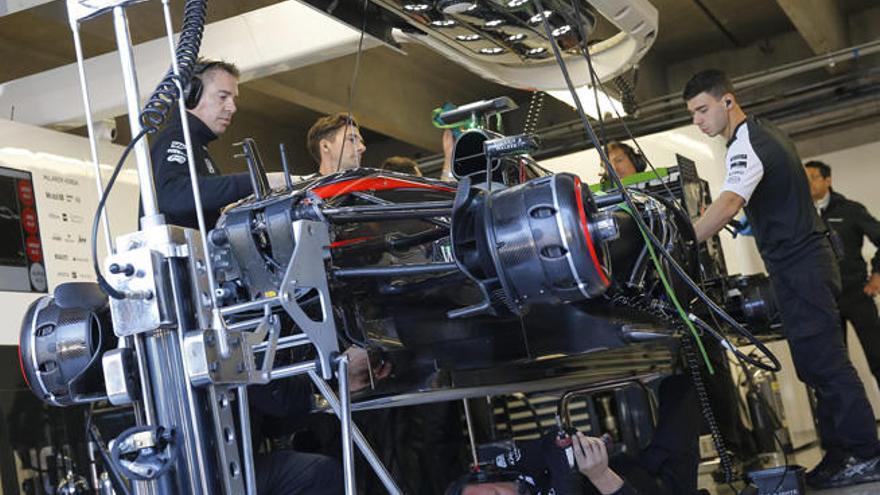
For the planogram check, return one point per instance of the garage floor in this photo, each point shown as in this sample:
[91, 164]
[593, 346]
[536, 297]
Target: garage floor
[808, 458]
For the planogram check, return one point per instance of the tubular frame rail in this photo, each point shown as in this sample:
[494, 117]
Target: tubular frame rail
[192, 364]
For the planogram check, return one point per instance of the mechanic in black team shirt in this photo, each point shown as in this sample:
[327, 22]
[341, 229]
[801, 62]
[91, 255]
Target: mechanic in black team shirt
[210, 101]
[765, 176]
[211, 105]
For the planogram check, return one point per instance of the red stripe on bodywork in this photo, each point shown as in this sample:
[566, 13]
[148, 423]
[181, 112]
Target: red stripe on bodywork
[374, 184]
[349, 242]
[583, 216]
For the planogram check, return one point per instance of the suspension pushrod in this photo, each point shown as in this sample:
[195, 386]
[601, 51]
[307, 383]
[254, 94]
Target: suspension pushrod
[388, 212]
[394, 271]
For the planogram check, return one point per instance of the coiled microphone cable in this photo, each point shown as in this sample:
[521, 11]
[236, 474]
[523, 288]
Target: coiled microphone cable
[161, 102]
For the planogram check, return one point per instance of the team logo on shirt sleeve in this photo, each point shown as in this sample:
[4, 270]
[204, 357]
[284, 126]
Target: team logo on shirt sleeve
[176, 152]
[738, 162]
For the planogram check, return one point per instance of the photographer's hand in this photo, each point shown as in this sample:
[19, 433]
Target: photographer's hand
[592, 461]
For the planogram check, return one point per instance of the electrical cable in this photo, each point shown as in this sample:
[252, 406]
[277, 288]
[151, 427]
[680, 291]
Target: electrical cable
[692, 363]
[690, 319]
[588, 129]
[597, 85]
[93, 435]
[671, 294]
[351, 87]
[536, 105]
[156, 111]
[767, 410]
[102, 282]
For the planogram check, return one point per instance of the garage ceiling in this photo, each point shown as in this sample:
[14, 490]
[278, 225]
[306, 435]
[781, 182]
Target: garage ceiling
[396, 91]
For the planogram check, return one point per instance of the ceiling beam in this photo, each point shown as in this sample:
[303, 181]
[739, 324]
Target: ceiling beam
[12, 6]
[261, 42]
[394, 93]
[819, 22]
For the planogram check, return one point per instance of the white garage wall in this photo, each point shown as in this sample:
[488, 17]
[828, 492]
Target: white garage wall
[856, 175]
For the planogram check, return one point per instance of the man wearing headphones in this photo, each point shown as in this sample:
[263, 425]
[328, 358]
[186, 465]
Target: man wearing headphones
[210, 102]
[765, 176]
[625, 160]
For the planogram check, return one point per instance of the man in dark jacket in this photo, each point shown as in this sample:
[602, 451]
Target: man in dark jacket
[852, 222]
[210, 102]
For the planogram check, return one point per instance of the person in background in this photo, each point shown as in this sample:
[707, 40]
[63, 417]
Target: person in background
[336, 144]
[667, 466]
[852, 223]
[402, 165]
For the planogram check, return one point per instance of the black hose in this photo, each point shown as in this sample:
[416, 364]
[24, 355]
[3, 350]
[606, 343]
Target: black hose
[102, 282]
[692, 361]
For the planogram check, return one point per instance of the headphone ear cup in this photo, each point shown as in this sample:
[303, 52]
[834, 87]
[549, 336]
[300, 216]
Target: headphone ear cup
[640, 162]
[193, 92]
[636, 158]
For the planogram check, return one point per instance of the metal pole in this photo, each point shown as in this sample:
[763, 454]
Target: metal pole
[470, 428]
[90, 125]
[345, 419]
[162, 351]
[217, 322]
[247, 448]
[198, 464]
[294, 369]
[132, 97]
[358, 437]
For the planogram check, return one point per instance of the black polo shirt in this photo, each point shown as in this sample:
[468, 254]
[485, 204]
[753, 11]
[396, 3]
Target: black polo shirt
[852, 222]
[763, 167]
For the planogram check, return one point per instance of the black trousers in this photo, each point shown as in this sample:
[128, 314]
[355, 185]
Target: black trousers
[806, 290]
[288, 472]
[859, 309]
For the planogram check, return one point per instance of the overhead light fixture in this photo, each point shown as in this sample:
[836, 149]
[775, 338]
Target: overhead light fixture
[609, 107]
[443, 23]
[538, 50]
[516, 3]
[416, 7]
[467, 37]
[491, 51]
[493, 23]
[456, 6]
[516, 37]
